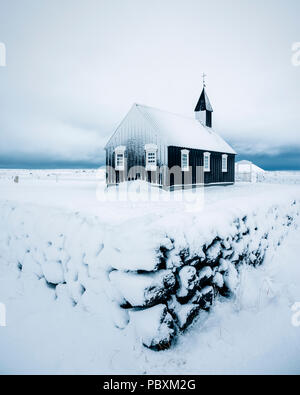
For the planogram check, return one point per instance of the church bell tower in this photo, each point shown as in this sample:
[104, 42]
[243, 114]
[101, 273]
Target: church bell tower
[203, 110]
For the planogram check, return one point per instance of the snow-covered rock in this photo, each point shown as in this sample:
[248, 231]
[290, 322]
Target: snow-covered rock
[231, 278]
[214, 251]
[206, 297]
[154, 326]
[184, 314]
[218, 280]
[205, 274]
[145, 289]
[53, 272]
[223, 265]
[188, 280]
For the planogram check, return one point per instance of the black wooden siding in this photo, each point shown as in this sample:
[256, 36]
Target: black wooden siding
[196, 158]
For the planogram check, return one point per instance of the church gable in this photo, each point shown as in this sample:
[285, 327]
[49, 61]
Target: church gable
[135, 132]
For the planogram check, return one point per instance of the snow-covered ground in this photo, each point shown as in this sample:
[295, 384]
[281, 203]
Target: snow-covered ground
[47, 332]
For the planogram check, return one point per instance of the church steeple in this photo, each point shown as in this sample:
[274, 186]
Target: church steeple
[204, 110]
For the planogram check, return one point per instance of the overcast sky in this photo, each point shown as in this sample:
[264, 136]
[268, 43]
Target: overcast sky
[74, 68]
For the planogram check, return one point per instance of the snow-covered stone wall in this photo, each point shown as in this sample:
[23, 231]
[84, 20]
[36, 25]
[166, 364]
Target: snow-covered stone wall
[195, 263]
[158, 275]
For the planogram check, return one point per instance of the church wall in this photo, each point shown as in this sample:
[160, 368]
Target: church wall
[215, 175]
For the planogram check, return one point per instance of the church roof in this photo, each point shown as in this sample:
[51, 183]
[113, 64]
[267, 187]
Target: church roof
[203, 102]
[181, 131]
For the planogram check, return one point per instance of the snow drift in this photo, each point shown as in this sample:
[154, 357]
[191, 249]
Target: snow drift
[159, 274]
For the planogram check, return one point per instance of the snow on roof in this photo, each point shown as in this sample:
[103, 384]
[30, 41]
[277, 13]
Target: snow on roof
[246, 165]
[183, 131]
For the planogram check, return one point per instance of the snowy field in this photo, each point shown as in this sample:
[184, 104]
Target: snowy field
[66, 220]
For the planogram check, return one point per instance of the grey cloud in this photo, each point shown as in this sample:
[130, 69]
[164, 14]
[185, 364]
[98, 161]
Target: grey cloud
[75, 67]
